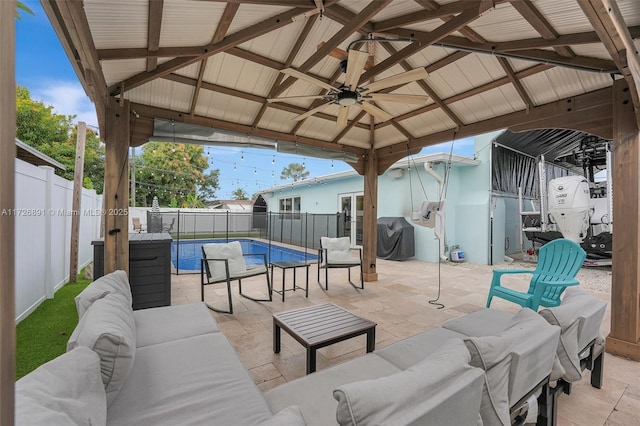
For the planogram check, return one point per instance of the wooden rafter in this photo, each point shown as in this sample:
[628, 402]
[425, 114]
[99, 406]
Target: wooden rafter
[504, 63]
[153, 31]
[282, 106]
[541, 25]
[230, 41]
[607, 21]
[221, 30]
[358, 21]
[302, 37]
[167, 114]
[434, 36]
[471, 92]
[575, 112]
[536, 55]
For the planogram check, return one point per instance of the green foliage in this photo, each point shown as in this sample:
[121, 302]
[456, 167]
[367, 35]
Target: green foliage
[211, 184]
[43, 335]
[239, 194]
[21, 6]
[37, 125]
[170, 171]
[55, 135]
[294, 171]
[193, 202]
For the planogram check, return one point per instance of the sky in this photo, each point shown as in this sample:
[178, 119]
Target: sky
[44, 68]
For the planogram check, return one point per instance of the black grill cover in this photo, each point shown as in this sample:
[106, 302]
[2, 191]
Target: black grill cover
[395, 239]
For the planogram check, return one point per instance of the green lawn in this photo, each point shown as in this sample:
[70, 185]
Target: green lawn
[43, 335]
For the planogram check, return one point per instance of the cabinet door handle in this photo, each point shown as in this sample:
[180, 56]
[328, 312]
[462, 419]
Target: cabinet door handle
[143, 258]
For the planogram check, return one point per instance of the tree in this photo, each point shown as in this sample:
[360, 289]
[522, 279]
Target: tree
[21, 6]
[37, 124]
[211, 184]
[239, 194]
[55, 135]
[169, 171]
[294, 171]
[193, 202]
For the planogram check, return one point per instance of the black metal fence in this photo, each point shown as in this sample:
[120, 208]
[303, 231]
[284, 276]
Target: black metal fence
[298, 229]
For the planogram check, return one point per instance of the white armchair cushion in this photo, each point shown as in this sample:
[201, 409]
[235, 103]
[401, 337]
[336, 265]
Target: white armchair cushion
[231, 251]
[115, 282]
[441, 389]
[338, 250]
[66, 390]
[108, 328]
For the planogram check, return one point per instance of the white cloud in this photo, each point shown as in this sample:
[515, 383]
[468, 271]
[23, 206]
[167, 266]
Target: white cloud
[67, 98]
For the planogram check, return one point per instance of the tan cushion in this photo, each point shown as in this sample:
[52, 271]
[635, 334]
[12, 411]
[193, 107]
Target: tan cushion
[290, 416]
[442, 389]
[108, 328]
[66, 390]
[115, 282]
[231, 251]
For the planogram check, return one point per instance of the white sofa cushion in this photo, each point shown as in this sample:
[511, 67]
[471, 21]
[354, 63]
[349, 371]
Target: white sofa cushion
[577, 308]
[66, 390]
[231, 251]
[115, 282]
[168, 323]
[313, 392]
[442, 389]
[290, 416]
[108, 328]
[338, 250]
[193, 381]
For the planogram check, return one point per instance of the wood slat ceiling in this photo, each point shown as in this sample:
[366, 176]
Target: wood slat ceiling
[492, 64]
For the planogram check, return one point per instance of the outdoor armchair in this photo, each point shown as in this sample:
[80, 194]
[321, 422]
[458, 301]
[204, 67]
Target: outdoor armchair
[558, 263]
[137, 225]
[225, 262]
[338, 253]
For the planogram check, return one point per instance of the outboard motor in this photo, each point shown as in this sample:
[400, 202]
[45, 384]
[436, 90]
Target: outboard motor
[570, 206]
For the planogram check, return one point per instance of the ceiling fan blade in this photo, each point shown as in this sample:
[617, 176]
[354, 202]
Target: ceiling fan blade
[302, 76]
[397, 80]
[296, 98]
[343, 116]
[310, 112]
[376, 112]
[403, 99]
[335, 52]
[355, 66]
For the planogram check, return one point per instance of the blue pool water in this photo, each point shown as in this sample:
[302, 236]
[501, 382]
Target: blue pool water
[186, 255]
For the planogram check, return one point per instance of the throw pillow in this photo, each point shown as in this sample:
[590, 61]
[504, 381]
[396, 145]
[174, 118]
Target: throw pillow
[438, 389]
[115, 282]
[108, 328]
[65, 390]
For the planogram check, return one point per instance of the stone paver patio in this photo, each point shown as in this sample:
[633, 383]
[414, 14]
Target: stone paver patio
[399, 303]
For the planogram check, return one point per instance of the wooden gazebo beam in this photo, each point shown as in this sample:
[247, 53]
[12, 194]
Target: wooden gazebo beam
[7, 203]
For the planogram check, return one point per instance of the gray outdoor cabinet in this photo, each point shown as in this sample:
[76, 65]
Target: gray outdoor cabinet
[149, 268]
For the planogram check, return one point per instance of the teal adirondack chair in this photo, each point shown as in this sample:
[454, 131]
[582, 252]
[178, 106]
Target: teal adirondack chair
[558, 263]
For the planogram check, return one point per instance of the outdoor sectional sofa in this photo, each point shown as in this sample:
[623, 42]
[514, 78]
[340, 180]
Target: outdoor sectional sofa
[171, 365]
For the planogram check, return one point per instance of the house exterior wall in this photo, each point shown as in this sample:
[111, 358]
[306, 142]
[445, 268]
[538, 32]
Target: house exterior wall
[469, 204]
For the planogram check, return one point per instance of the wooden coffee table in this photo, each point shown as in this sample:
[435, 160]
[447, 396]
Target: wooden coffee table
[321, 325]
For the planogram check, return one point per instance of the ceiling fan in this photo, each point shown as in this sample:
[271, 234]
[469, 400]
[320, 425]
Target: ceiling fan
[350, 94]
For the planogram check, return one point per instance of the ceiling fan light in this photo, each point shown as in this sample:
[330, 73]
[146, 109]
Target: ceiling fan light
[345, 102]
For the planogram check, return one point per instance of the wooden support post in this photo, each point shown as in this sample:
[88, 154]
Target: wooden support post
[7, 205]
[624, 338]
[370, 219]
[78, 173]
[116, 187]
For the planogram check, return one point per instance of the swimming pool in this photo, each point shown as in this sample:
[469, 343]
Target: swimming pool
[186, 255]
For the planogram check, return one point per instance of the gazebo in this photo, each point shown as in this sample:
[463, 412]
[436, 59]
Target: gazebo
[227, 65]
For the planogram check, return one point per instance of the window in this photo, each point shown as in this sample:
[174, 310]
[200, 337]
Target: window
[290, 208]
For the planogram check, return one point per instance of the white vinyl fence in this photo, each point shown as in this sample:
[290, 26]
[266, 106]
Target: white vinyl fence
[43, 233]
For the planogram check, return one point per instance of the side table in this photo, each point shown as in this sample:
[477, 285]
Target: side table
[289, 264]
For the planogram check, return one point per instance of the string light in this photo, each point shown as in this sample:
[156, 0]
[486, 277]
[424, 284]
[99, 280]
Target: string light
[332, 164]
[242, 155]
[273, 160]
[234, 166]
[255, 171]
